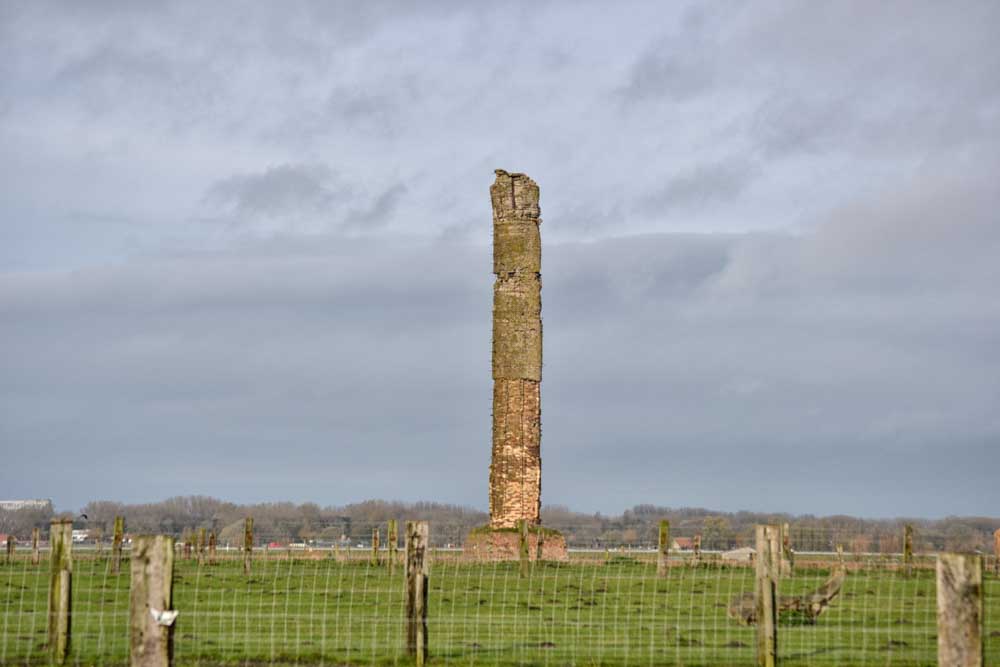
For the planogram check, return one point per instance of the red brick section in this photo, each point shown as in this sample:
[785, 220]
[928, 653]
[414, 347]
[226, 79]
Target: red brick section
[497, 545]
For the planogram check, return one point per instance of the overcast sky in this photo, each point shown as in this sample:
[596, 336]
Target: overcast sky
[245, 250]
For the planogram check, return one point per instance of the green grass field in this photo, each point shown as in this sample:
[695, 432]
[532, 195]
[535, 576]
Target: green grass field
[324, 611]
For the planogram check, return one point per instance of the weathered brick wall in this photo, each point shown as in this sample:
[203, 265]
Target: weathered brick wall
[516, 468]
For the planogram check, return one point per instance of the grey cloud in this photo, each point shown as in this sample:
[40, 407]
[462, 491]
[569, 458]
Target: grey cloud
[678, 65]
[702, 185]
[673, 74]
[381, 209]
[301, 197]
[279, 191]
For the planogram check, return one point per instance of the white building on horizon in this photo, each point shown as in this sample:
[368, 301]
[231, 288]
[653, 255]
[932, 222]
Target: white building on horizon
[37, 504]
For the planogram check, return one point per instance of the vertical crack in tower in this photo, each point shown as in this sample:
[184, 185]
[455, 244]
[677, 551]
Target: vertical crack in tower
[516, 467]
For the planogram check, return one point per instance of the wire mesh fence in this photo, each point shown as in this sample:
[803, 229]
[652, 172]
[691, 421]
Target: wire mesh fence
[342, 604]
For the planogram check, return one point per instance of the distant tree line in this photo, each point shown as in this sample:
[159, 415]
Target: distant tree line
[285, 522]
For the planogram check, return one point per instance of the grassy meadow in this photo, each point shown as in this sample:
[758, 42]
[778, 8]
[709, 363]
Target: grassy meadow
[615, 611]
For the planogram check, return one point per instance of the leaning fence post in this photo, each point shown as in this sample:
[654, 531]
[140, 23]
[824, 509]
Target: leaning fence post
[522, 543]
[151, 616]
[61, 561]
[960, 610]
[766, 596]
[392, 537]
[417, 536]
[116, 545]
[247, 544]
[663, 548]
[908, 549]
[35, 556]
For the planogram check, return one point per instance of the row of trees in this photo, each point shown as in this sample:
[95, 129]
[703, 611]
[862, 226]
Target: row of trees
[308, 522]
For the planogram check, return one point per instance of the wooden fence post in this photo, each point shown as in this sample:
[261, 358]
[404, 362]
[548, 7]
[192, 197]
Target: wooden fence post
[35, 556]
[996, 551]
[840, 554]
[787, 558]
[663, 548]
[392, 537]
[61, 575]
[11, 545]
[960, 610]
[908, 550]
[376, 538]
[211, 547]
[116, 545]
[522, 543]
[417, 538]
[539, 544]
[696, 545]
[151, 615]
[201, 544]
[247, 544]
[766, 595]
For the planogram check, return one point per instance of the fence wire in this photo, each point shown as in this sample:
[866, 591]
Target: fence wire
[337, 605]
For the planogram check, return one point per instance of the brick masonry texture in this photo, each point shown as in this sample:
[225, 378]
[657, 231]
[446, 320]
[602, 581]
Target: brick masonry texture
[516, 467]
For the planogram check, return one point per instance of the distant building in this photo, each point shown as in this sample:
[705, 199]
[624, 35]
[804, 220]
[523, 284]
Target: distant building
[14, 505]
[682, 544]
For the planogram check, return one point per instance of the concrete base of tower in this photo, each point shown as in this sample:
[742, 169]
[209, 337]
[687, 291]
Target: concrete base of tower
[487, 544]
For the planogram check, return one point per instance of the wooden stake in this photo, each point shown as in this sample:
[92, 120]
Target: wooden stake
[35, 555]
[247, 544]
[696, 545]
[211, 547]
[522, 533]
[116, 545]
[766, 595]
[373, 560]
[11, 545]
[202, 544]
[996, 550]
[392, 537]
[663, 549]
[787, 558]
[539, 544]
[908, 550]
[150, 601]
[60, 583]
[417, 571]
[960, 610]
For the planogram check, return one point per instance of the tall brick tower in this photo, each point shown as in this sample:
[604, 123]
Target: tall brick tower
[516, 468]
[516, 464]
